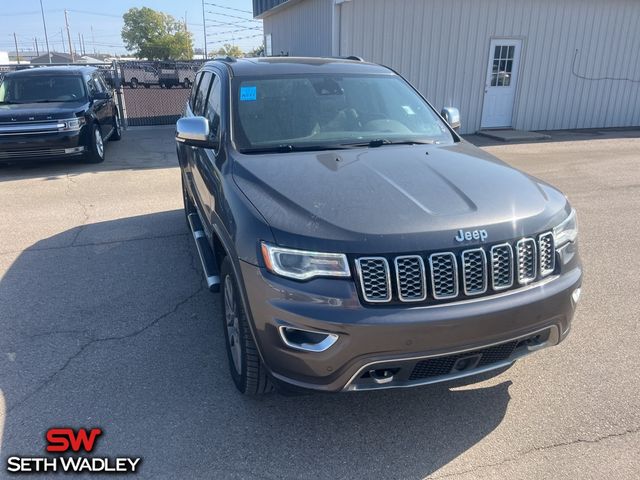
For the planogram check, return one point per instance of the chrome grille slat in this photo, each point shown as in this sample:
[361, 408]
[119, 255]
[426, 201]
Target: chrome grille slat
[547, 254]
[526, 260]
[444, 275]
[375, 279]
[501, 266]
[474, 271]
[411, 278]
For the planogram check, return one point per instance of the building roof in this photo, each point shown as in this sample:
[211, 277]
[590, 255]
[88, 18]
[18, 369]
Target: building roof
[299, 65]
[260, 7]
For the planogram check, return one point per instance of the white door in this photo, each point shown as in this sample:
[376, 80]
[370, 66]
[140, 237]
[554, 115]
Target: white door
[500, 83]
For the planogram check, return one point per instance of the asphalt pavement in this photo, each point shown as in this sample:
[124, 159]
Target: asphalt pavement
[105, 322]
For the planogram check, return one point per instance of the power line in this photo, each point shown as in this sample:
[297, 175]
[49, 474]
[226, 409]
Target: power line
[234, 16]
[228, 8]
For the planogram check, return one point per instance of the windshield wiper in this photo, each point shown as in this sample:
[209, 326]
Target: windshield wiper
[378, 142]
[285, 148]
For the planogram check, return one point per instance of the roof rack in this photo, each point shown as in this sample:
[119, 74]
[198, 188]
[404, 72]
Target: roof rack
[354, 58]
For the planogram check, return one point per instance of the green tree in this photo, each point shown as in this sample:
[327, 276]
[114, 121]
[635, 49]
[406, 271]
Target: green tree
[156, 35]
[229, 50]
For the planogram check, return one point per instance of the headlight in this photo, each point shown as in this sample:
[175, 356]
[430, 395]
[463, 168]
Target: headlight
[302, 265]
[71, 124]
[567, 231]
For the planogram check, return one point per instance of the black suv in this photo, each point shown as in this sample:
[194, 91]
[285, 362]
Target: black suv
[358, 241]
[54, 112]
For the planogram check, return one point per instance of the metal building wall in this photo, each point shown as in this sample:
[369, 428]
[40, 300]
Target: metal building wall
[442, 47]
[303, 28]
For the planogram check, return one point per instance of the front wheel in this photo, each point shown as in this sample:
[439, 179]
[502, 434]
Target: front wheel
[247, 370]
[134, 83]
[186, 83]
[96, 146]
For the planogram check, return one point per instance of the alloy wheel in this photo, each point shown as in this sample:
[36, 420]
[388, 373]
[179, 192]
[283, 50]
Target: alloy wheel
[232, 323]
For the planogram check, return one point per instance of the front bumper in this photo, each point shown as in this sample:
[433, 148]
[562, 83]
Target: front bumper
[399, 337]
[42, 146]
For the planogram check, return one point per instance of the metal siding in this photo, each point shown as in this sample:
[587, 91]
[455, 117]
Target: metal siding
[302, 29]
[442, 47]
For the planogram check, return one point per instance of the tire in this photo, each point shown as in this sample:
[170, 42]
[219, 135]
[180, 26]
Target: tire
[186, 83]
[247, 370]
[117, 130]
[96, 146]
[134, 82]
[146, 85]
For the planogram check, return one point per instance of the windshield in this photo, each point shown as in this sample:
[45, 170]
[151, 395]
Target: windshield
[41, 88]
[331, 110]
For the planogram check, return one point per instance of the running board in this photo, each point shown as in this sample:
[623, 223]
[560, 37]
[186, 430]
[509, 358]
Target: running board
[206, 254]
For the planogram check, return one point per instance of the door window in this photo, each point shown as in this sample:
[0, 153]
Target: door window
[502, 65]
[213, 107]
[201, 94]
[194, 90]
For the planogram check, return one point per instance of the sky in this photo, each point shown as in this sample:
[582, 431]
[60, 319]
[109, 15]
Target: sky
[100, 23]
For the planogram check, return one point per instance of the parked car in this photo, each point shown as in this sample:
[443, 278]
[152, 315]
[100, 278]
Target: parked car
[136, 74]
[359, 242]
[54, 112]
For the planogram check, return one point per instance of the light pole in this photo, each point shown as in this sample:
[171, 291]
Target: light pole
[204, 27]
[44, 24]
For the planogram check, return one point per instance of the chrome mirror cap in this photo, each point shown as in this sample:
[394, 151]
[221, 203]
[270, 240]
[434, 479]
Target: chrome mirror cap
[192, 130]
[452, 116]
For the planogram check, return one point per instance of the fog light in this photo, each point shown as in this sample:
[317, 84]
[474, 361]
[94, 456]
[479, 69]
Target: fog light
[576, 295]
[307, 340]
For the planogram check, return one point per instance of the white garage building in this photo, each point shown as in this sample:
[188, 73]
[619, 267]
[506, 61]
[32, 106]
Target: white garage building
[525, 64]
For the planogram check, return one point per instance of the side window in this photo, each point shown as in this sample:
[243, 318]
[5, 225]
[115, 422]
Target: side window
[101, 83]
[194, 89]
[214, 104]
[201, 94]
[91, 86]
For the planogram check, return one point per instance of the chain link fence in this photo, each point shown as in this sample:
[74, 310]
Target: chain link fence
[147, 92]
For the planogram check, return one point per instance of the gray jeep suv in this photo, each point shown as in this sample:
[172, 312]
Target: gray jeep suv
[359, 243]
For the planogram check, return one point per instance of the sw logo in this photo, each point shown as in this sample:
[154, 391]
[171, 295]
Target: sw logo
[65, 440]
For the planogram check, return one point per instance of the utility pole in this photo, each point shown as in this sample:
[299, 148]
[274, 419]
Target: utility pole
[93, 40]
[66, 22]
[15, 39]
[204, 28]
[64, 49]
[37, 50]
[84, 49]
[46, 38]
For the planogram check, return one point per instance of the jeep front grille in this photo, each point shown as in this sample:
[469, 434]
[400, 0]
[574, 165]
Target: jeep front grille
[411, 278]
[474, 271]
[444, 275]
[526, 255]
[375, 278]
[547, 251]
[449, 275]
[501, 266]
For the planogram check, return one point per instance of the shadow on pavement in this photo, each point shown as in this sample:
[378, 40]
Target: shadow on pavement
[140, 148]
[119, 332]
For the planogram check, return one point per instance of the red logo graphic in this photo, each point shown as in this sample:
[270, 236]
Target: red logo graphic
[65, 439]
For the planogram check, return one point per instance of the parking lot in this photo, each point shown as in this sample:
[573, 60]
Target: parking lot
[105, 321]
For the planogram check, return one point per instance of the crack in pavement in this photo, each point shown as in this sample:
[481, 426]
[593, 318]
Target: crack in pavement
[539, 449]
[92, 244]
[94, 341]
[83, 207]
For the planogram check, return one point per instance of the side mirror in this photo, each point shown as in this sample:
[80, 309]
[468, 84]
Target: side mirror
[452, 117]
[194, 131]
[101, 96]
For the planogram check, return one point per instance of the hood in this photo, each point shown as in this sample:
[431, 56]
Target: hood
[394, 198]
[33, 112]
